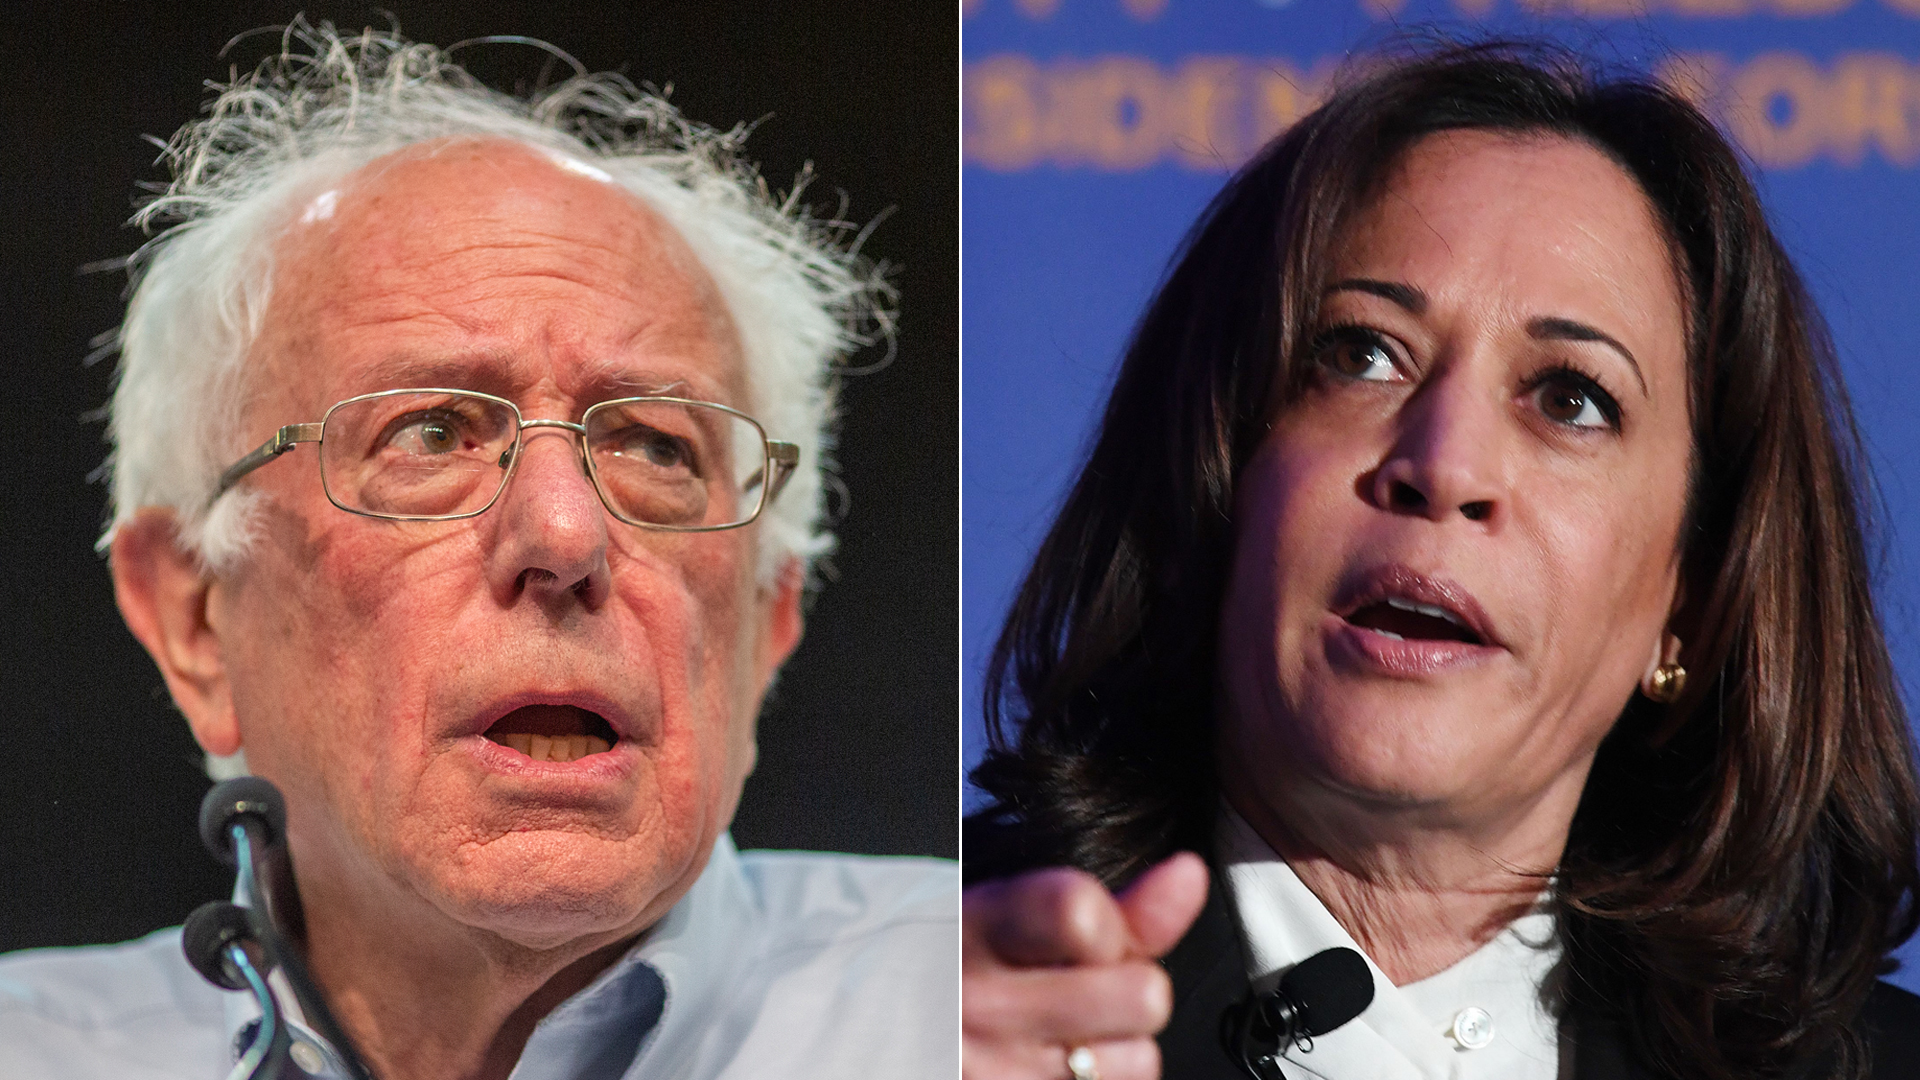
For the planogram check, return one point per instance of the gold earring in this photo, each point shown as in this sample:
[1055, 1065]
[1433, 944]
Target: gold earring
[1668, 680]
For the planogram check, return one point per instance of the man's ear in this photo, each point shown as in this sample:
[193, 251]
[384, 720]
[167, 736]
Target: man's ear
[163, 595]
[782, 622]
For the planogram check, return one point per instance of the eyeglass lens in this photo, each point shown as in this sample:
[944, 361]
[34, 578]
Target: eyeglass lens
[437, 455]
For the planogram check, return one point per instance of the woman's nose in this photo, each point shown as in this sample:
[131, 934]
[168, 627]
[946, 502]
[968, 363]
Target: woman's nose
[1445, 458]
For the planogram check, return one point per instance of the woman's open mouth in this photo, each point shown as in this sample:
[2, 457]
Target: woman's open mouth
[1396, 621]
[1400, 619]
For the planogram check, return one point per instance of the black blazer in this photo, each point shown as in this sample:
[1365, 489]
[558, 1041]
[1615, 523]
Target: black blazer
[1209, 971]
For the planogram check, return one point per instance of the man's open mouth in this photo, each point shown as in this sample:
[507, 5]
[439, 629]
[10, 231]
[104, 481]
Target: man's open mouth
[559, 733]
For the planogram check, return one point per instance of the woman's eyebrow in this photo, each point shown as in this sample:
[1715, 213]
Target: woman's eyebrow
[1555, 328]
[1406, 296]
[1544, 328]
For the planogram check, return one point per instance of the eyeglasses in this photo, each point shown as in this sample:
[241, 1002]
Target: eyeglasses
[437, 455]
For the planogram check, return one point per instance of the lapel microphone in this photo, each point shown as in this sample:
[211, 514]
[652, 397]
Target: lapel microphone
[1321, 993]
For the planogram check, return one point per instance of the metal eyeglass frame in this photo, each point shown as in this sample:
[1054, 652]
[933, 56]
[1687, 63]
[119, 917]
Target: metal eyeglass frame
[782, 458]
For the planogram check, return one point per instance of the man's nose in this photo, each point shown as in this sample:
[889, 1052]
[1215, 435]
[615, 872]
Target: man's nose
[549, 536]
[1446, 455]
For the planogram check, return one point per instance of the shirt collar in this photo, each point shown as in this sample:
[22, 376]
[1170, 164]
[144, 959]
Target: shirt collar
[1406, 1032]
[702, 952]
[657, 1003]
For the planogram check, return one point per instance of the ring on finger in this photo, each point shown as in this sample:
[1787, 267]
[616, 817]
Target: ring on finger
[1080, 1063]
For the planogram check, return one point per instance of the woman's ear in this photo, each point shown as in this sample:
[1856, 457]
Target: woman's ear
[1666, 652]
[163, 596]
[1666, 648]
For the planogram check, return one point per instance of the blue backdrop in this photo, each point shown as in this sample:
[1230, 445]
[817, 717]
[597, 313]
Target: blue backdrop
[1094, 131]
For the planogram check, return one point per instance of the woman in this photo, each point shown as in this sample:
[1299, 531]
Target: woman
[1471, 568]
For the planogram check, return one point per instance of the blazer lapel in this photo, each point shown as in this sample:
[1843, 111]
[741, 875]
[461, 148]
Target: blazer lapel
[1209, 972]
[1600, 1050]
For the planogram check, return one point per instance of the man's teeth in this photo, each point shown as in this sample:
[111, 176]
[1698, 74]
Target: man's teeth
[560, 748]
[1422, 609]
[1390, 635]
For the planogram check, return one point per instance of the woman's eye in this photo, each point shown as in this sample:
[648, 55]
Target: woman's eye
[1357, 354]
[1576, 402]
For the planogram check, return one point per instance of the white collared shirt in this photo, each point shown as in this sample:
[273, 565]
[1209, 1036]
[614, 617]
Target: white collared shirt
[1408, 1031]
[774, 965]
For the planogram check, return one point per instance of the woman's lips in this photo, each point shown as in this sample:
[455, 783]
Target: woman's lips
[1414, 605]
[1400, 619]
[1376, 652]
[1390, 619]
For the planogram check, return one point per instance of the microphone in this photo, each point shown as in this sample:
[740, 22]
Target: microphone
[1320, 994]
[210, 930]
[251, 802]
[215, 940]
[243, 822]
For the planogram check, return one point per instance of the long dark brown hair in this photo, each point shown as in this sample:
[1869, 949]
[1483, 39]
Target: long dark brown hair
[1743, 859]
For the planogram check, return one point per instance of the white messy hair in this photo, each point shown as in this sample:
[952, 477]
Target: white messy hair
[799, 292]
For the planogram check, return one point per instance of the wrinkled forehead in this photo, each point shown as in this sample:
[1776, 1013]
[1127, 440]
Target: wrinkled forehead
[495, 266]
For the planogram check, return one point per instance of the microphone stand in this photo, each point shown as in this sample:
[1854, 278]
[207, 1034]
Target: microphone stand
[243, 822]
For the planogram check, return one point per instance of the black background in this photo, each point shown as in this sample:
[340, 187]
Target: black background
[100, 779]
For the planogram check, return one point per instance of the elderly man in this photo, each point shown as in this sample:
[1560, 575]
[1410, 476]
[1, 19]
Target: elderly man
[548, 383]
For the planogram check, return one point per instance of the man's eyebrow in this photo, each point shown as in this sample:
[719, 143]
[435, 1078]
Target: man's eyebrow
[470, 372]
[494, 374]
[616, 377]
[1406, 296]
[1555, 328]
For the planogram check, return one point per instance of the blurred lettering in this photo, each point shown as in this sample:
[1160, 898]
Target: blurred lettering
[1121, 113]
[1636, 9]
[1211, 113]
[1141, 10]
[1787, 111]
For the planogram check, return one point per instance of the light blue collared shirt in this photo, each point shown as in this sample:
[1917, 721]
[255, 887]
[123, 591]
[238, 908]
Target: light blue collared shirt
[775, 964]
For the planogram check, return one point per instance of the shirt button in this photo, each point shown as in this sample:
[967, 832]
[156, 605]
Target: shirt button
[1472, 1028]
